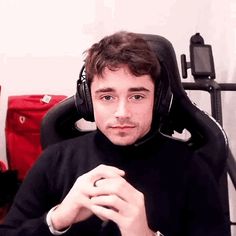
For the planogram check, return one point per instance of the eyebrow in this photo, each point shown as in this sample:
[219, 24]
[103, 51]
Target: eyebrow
[139, 89]
[134, 89]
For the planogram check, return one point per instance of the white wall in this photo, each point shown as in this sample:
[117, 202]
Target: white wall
[41, 42]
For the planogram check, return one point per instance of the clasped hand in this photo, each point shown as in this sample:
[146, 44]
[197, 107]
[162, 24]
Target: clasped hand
[104, 192]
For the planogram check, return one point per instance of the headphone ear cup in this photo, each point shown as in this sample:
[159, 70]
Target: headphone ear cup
[165, 100]
[163, 96]
[83, 99]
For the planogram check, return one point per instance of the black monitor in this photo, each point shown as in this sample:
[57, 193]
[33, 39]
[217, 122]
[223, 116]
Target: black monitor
[201, 59]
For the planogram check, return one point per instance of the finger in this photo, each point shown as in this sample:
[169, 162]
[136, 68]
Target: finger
[105, 171]
[105, 213]
[100, 172]
[109, 201]
[116, 186]
[110, 169]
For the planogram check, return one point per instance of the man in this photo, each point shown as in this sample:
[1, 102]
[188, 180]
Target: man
[125, 178]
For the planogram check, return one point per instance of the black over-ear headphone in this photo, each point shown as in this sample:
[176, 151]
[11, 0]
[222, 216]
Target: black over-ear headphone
[83, 99]
[163, 96]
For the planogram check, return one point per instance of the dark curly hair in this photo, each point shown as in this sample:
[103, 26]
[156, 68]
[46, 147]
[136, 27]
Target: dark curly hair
[119, 49]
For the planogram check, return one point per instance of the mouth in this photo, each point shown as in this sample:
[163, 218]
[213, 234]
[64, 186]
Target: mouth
[122, 127]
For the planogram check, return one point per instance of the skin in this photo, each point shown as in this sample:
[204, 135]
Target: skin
[123, 105]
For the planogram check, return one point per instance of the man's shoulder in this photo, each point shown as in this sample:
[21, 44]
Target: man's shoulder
[70, 147]
[70, 152]
[85, 138]
[175, 145]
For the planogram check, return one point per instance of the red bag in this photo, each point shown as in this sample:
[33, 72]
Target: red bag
[23, 121]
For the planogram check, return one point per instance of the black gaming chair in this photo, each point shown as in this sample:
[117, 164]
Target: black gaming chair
[206, 135]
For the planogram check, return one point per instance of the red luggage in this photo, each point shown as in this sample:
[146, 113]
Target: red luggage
[24, 116]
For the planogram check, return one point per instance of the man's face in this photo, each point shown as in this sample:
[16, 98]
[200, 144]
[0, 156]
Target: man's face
[123, 105]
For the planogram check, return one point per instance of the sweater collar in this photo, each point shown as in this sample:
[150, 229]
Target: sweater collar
[125, 157]
[103, 141]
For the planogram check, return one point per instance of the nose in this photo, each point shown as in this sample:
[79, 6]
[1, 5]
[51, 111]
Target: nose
[122, 110]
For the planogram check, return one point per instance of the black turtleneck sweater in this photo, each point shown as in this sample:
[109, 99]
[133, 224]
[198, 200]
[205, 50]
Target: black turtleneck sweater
[180, 193]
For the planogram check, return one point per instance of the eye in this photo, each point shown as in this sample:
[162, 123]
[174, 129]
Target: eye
[137, 97]
[107, 98]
